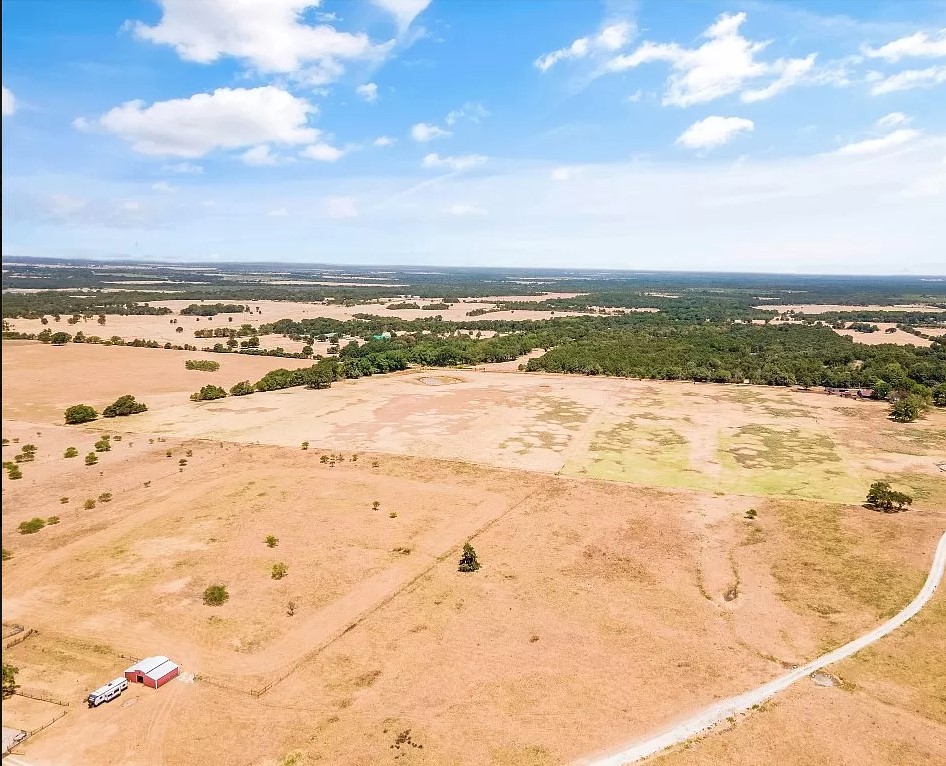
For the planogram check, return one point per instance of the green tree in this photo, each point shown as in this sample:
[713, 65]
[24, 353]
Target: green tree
[71, 452]
[60, 338]
[13, 471]
[9, 679]
[32, 526]
[272, 541]
[280, 570]
[216, 595]
[104, 444]
[80, 413]
[468, 560]
[908, 408]
[91, 459]
[884, 498]
[208, 393]
[124, 405]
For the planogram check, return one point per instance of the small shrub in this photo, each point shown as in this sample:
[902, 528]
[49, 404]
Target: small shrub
[71, 452]
[91, 459]
[272, 541]
[7, 555]
[124, 406]
[6, 442]
[375, 505]
[751, 513]
[103, 445]
[52, 520]
[167, 454]
[291, 608]
[468, 560]
[216, 595]
[117, 437]
[80, 413]
[14, 472]
[375, 464]
[392, 515]
[182, 462]
[105, 497]
[189, 453]
[323, 458]
[32, 526]
[242, 388]
[63, 500]
[208, 393]
[89, 504]
[204, 365]
[280, 570]
[147, 484]
[305, 445]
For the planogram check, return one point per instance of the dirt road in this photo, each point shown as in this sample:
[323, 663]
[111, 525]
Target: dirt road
[633, 752]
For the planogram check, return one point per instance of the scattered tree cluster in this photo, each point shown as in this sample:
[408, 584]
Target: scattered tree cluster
[883, 497]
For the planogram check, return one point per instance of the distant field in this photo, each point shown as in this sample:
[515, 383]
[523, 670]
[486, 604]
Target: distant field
[897, 337]
[820, 308]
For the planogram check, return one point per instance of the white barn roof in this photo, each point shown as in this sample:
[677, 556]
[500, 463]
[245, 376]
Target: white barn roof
[153, 667]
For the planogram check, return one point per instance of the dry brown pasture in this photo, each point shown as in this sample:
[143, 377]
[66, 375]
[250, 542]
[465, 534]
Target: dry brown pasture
[621, 585]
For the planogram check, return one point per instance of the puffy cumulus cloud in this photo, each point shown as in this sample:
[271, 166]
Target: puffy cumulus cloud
[259, 156]
[714, 131]
[893, 120]
[456, 164]
[464, 209]
[268, 35]
[323, 152]
[723, 65]
[919, 45]
[9, 102]
[424, 132]
[383, 141]
[611, 37]
[228, 118]
[341, 207]
[878, 145]
[403, 11]
[368, 92]
[908, 79]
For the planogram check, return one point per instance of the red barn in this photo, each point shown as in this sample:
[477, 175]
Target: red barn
[152, 671]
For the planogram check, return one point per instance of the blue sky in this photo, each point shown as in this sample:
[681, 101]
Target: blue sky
[753, 136]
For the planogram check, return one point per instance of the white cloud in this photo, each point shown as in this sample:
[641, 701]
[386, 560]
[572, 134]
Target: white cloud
[564, 173]
[908, 80]
[471, 110]
[323, 152]
[635, 97]
[893, 120]
[269, 35]
[456, 164]
[228, 118]
[878, 145]
[464, 209]
[368, 91]
[919, 45]
[791, 71]
[714, 131]
[423, 132]
[384, 141]
[163, 186]
[403, 11]
[279, 212]
[184, 168]
[341, 207]
[81, 123]
[720, 66]
[9, 102]
[131, 206]
[610, 38]
[259, 156]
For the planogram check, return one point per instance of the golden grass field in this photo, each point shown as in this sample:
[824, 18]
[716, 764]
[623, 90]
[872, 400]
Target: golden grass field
[622, 586]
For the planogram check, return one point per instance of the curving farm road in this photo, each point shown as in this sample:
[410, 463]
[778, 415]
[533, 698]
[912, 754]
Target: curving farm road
[635, 751]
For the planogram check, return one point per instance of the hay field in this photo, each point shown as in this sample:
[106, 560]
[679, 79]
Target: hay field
[621, 585]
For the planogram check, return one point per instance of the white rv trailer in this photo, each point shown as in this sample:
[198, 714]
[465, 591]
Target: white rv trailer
[108, 692]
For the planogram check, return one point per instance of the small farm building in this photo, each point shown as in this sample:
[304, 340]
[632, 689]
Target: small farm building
[152, 671]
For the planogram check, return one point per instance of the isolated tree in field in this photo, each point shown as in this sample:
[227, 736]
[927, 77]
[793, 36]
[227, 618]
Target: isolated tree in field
[908, 408]
[9, 679]
[242, 388]
[80, 413]
[375, 505]
[305, 445]
[272, 541]
[60, 338]
[124, 405]
[208, 393]
[104, 444]
[91, 459]
[71, 452]
[216, 595]
[13, 471]
[280, 570]
[884, 498]
[89, 504]
[468, 560]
